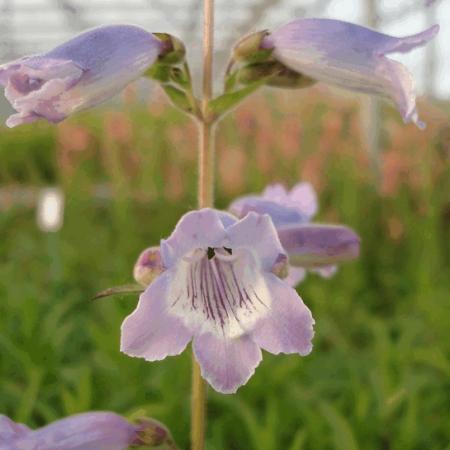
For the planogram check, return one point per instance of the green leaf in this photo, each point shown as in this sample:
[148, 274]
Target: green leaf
[120, 290]
[229, 100]
[179, 98]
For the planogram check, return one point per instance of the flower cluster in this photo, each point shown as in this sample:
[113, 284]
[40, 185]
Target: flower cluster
[99, 63]
[223, 280]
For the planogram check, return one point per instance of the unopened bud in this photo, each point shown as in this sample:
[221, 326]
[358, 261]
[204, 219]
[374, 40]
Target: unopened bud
[148, 266]
[280, 267]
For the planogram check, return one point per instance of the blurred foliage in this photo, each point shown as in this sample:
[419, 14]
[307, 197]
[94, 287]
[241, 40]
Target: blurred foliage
[378, 377]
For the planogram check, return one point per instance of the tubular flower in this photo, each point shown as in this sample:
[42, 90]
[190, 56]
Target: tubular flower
[88, 431]
[79, 74]
[219, 291]
[350, 56]
[312, 247]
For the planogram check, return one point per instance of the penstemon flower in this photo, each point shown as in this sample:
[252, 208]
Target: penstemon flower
[312, 247]
[219, 290]
[340, 53]
[79, 74]
[88, 431]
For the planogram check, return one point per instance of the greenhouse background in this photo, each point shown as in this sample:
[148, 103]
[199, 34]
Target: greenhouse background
[122, 174]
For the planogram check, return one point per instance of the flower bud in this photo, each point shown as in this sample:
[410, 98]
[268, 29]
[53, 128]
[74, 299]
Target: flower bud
[148, 266]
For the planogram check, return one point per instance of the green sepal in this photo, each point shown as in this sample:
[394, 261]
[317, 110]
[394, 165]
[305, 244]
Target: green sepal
[180, 77]
[276, 75]
[174, 51]
[126, 289]
[262, 55]
[159, 72]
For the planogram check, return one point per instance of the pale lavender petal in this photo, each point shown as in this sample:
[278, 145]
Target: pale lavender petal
[295, 276]
[275, 192]
[226, 218]
[20, 119]
[326, 271]
[304, 197]
[288, 328]
[313, 245]
[349, 56]
[226, 364]
[10, 430]
[79, 74]
[89, 431]
[151, 332]
[258, 234]
[195, 230]
[280, 214]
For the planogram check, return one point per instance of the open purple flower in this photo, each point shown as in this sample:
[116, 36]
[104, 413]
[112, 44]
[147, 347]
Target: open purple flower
[312, 247]
[218, 290]
[88, 431]
[79, 74]
[350, 56]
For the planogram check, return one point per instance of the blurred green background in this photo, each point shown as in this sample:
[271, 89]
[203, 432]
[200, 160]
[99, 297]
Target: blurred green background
[378, 377]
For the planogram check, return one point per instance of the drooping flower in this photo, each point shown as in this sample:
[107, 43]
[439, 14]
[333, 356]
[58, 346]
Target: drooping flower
[79, 74]
[218, 290]
[350, 56]
[88, 431]
[314, 247]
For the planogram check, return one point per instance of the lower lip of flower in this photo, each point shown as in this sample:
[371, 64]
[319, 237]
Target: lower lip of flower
[220, 291]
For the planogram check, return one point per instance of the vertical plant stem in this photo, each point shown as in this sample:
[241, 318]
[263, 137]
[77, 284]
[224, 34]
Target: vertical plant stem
[206, 138]
[205, 199]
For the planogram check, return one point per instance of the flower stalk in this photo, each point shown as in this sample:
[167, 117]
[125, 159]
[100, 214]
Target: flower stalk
[205, 199]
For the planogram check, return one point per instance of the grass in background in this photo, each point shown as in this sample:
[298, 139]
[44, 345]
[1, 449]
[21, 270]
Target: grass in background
[378, 377]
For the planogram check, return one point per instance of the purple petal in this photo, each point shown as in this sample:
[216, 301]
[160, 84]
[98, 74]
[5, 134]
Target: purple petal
[313, 245]
[295, 276]
[258, 234]
[296, 206]
[79, 74]
[304, 197]
[151, 332]
[350, 56]
[226, 364]
[10, 430]
[280, 214]
[326, 271]
[89, 431]
[288, 328]
[196, 229]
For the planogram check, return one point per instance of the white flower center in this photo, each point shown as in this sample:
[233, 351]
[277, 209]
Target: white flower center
[220, 291]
